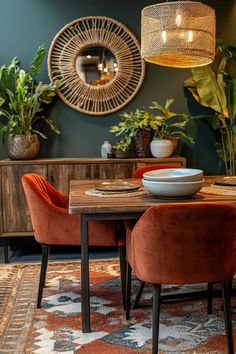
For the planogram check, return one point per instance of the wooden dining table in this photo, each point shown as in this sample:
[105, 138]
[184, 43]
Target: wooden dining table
[122, 208]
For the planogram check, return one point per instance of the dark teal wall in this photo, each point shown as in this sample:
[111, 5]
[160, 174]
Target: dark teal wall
[25, 24]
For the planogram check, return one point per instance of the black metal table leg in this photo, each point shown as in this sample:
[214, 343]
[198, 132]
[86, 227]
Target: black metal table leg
[85, 296]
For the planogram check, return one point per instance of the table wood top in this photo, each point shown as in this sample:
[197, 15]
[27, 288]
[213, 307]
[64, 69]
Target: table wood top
[79, 202]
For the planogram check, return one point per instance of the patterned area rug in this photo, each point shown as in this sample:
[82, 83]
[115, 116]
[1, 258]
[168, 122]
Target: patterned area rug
[56, 328]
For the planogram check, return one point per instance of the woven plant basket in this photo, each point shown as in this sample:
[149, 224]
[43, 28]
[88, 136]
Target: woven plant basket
[142, 142]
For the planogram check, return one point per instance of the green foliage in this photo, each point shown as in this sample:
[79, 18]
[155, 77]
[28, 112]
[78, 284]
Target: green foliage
[134, 121]
[156, 118]
[124, 144]
[171, 124]
[23, 100]
[214, 86]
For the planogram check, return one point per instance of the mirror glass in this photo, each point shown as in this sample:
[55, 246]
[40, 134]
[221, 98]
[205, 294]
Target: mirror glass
[98, 62]
[96, 65]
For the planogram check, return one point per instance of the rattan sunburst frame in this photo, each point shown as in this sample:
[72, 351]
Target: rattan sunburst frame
[86, 32]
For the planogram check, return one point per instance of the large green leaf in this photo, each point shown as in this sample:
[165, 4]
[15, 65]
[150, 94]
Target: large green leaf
[209, 90]
[35, 66]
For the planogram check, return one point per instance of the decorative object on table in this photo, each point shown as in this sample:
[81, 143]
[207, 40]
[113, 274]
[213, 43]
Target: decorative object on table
[178, 34]
[173, 190]
[173, 183]
[99, 62]
[214, 86]
[106, 149]
[174, 175]
[22, 104]
[116, 186]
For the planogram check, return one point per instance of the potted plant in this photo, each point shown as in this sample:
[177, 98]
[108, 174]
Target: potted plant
[23, 102]
[214, 86]
[170, 129]
[123, 148]
[139, 127]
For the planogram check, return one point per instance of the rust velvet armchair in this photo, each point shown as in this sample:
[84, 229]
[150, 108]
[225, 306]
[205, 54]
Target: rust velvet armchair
[53, 225]
[183, 243]
[138, 173]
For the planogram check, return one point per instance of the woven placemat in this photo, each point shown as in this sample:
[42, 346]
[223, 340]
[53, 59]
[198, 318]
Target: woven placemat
[222, 190]
[95, 193]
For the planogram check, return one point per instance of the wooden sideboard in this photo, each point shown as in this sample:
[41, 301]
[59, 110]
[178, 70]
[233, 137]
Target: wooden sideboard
[14, 213]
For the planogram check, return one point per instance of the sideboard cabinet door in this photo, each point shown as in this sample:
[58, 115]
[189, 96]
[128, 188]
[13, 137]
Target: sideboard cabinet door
[60, 175]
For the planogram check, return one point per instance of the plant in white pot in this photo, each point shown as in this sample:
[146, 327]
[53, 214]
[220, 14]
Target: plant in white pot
[23, 103]
[170, 129]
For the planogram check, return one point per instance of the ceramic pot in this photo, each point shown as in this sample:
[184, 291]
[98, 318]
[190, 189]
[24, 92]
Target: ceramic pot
[23, 147]
[161, 147]
[119, 154]
[106, 149]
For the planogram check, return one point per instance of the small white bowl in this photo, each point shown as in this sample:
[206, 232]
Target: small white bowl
[174, 174]
[173, 189]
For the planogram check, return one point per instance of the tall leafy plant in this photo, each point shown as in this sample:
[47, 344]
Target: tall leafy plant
[23, 99]
[171, 124]
[214, 86]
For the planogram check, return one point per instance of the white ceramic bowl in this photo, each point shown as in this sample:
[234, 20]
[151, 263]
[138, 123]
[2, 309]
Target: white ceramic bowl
[173, 189]
[174, 175]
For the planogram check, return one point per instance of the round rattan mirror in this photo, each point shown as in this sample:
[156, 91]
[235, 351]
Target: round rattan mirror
[99, 63]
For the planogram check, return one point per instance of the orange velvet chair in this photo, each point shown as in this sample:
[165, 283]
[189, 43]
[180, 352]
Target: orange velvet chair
[138, 173]
[53, 225]
[183, 243]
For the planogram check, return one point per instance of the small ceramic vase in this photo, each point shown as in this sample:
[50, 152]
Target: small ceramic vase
[106, 149]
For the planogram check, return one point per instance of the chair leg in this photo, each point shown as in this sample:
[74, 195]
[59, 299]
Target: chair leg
[138, 296]
[128, 290]
[122, 272]
[5, 246]
[227, 315]
[156, 316]
[43, 270]
[209, 297]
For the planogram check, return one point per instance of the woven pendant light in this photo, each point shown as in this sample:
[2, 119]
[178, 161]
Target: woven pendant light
[178, 34]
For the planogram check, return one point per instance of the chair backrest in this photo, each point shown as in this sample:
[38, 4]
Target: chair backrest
[52, 223]
[138, 173]
[185, 243]
[45, 190]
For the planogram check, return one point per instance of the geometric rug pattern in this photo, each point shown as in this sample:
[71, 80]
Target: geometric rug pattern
[185, 326]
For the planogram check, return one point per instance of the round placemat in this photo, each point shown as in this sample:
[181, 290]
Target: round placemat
[221, 190]
[95, 193]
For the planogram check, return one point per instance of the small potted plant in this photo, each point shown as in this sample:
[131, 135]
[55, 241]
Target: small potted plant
[123, 148]
[23, 103]
[170, 129]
